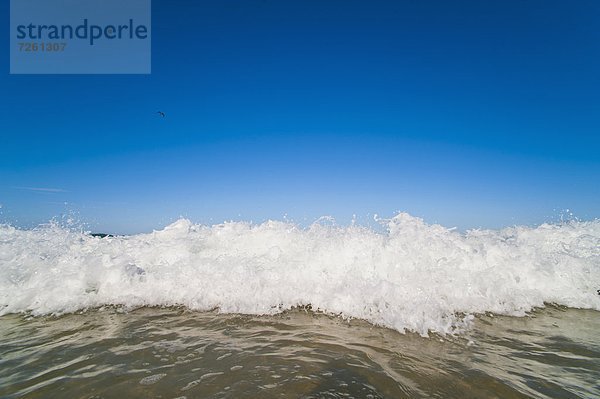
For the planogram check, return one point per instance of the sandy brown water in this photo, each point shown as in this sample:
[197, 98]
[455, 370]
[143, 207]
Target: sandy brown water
[175, 353]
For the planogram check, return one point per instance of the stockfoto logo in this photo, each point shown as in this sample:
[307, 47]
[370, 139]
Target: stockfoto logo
[80, 36]
[84, 31]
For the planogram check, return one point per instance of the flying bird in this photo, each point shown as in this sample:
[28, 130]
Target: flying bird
[162, 114]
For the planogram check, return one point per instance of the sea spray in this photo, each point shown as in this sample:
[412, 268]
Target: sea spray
[412, 276]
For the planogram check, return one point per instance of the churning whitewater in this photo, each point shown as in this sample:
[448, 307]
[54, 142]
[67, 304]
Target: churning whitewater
[413, 276]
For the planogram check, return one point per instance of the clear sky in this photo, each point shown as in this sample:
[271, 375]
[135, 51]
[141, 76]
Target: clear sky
[466, 113]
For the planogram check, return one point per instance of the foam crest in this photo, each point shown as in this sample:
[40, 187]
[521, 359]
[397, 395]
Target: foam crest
[413, 276]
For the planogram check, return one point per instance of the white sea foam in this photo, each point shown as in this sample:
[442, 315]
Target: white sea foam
[414, 276]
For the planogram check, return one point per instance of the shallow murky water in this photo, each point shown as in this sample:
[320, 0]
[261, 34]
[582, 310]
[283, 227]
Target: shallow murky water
[173, 352]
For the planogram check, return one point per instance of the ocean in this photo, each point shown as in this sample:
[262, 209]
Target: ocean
[278, 310]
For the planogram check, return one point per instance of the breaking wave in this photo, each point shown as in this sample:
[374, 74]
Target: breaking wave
[411, 277]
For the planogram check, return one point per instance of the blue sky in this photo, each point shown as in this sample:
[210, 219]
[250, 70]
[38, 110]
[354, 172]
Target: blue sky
[466, 113]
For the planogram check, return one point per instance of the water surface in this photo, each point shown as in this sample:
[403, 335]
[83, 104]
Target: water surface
[174, 352]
